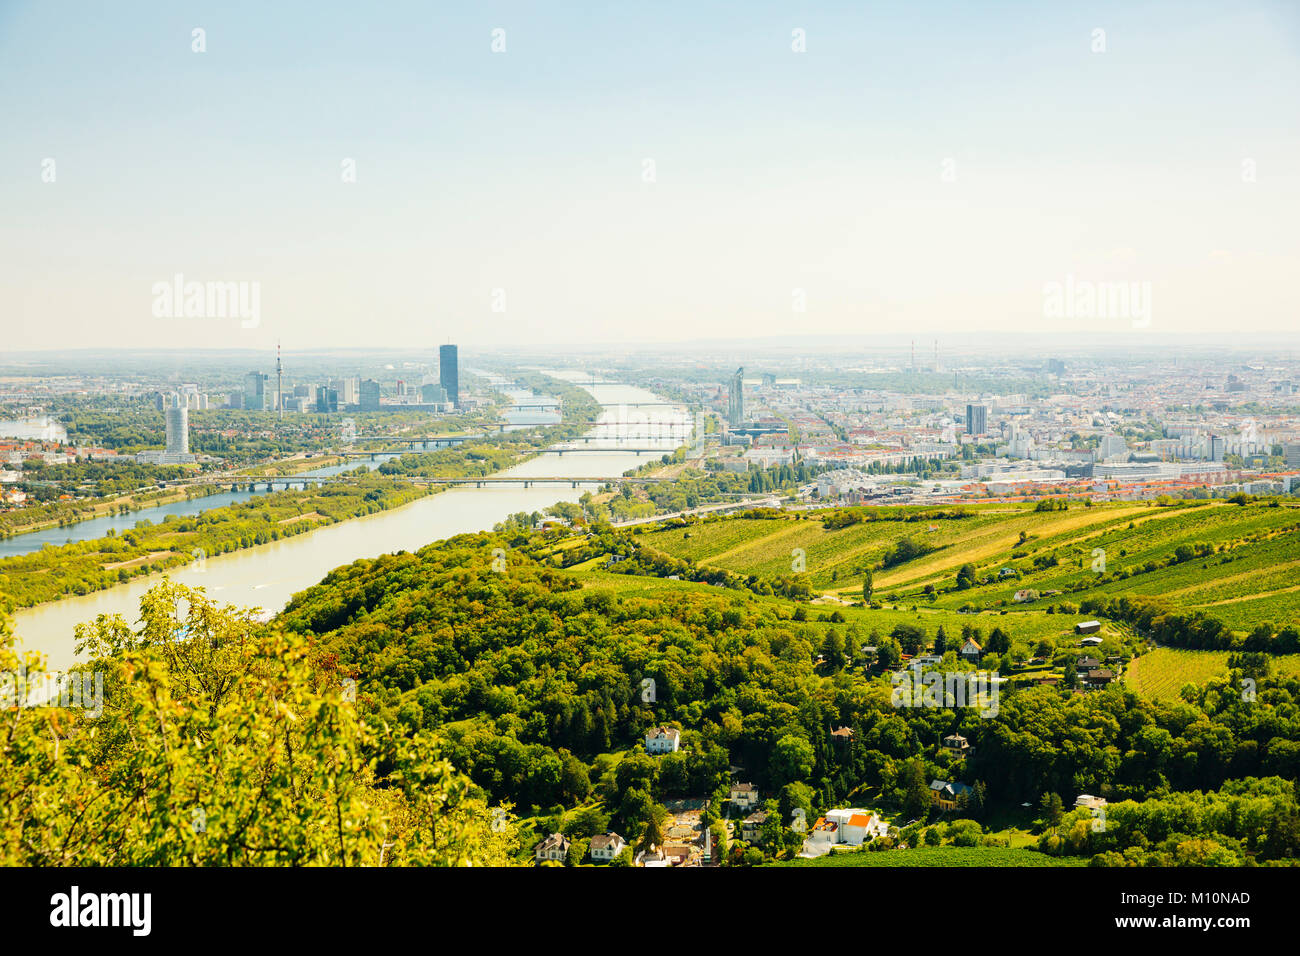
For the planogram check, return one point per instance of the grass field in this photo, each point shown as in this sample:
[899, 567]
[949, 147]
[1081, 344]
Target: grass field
[1030, 626]
[1252, 577]
[1162, 673]
[942, 856]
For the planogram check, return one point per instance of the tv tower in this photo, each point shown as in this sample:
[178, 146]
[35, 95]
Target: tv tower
[279, 381]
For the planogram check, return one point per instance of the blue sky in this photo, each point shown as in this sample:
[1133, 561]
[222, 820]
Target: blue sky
[517, 177]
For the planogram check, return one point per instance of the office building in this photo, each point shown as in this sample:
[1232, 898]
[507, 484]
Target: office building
[255, 392]
[177, 416]
[736, 399]
[327, 400]
[1111, 447]
[977, 419]
[348, 389]
[1291, 452]
[449, 373]
[370, 395]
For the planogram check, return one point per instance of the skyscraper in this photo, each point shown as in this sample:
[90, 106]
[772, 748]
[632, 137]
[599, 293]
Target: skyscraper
[449, 373]
[177, 416]
[736, 399]
[370, 395]
[977, 419]
[255, 391]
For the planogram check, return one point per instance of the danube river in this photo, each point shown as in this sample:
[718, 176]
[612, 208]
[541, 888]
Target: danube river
[268, 575]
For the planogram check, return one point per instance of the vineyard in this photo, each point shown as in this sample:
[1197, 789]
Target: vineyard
[1162, 673]
[1236, 563]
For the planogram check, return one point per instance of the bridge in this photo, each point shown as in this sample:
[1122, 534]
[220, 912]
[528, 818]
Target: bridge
[571, 481]
[612, 449]
[438, 441]
[479, 481]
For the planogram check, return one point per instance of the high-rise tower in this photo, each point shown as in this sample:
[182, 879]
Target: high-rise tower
[736, 399]
[449, 373]
[177, 417]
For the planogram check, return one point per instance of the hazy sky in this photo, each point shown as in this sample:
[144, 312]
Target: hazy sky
[922, 166]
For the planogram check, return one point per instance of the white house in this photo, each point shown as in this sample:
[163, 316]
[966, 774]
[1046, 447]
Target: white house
[744, 795]
[606, 846]
[857, 826]
[849, 826]
[554, 847]
[662, 740]
[1086, 801]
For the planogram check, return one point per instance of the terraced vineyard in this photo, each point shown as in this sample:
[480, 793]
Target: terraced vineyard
[1163, 672]
[1240, 564]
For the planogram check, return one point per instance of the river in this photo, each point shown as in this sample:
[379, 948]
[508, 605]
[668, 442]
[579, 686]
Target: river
[92, 528]
[267, 576]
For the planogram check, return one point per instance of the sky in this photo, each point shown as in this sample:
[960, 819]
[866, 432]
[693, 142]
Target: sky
[658, 172]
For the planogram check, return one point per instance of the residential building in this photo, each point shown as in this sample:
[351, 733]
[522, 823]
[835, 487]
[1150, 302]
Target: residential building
[956, 743]
[945, 795]
[606, 846]
[662, 740]
[744, 796]
[977, 419]
[554, 847]
[751, 828]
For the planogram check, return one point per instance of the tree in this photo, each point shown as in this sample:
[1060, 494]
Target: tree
[234, 746]
[966, 576]
[916, 792]
[867, 585]
[792, 759]
[833, 649]
[652, 836]
[1053, 809]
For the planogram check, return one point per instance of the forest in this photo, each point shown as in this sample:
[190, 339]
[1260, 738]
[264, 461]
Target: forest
[534, 682]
